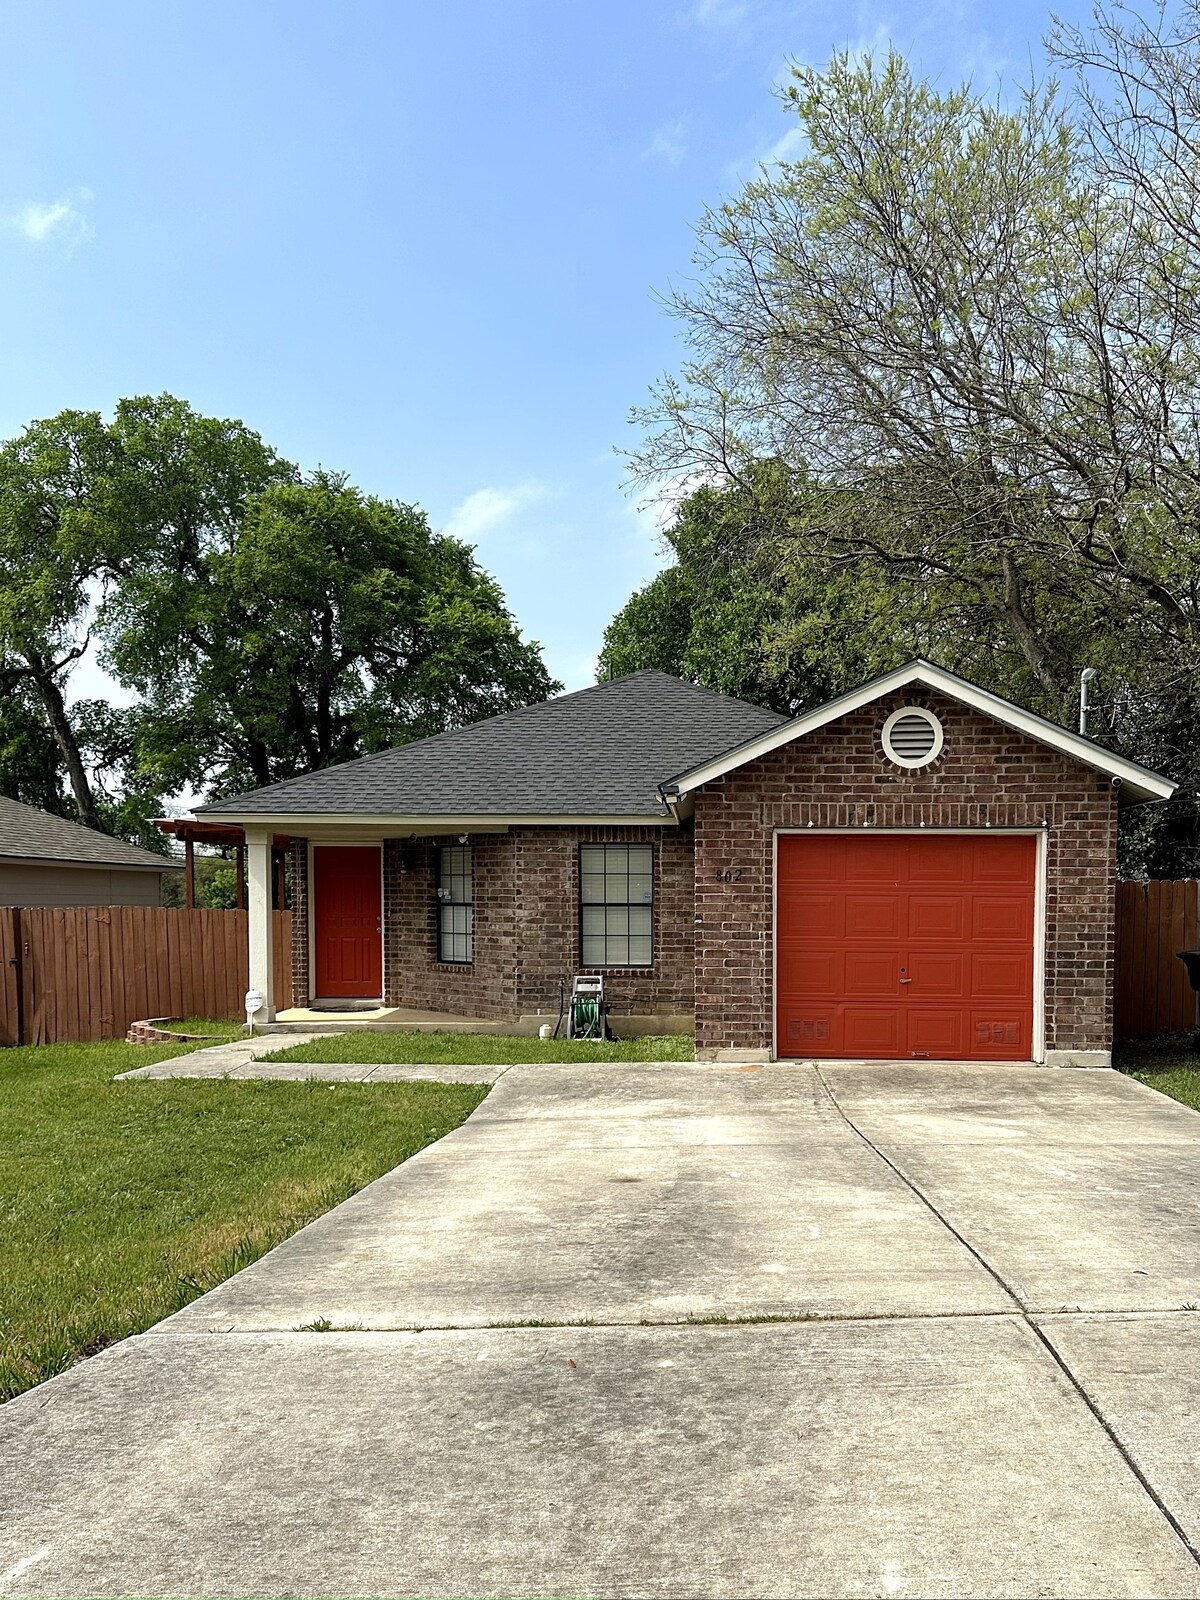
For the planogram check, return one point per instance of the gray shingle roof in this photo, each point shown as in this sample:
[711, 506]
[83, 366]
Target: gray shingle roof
[32, 835]
[599, 752]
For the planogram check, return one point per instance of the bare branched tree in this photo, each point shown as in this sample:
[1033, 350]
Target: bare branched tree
[978, 335]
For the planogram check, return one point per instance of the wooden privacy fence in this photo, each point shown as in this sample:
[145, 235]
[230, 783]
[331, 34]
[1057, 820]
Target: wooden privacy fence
[87, 972]
[1154, 922]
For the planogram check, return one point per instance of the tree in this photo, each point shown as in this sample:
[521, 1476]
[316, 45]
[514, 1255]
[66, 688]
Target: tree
[979, 351]
[50, 553]
[30, 761]
[740, 613]
[320, 625]
[85, 505]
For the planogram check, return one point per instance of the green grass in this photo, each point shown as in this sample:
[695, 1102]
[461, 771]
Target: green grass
[1170, 1064]
[120, 1202]
[217, 1030]
[482, 1049]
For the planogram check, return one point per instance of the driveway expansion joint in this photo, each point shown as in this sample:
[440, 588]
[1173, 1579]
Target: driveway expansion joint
[1026, 1316]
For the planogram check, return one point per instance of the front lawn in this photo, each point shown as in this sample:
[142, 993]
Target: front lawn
[1170, 1065]
[120, 1202]
[482, 1049]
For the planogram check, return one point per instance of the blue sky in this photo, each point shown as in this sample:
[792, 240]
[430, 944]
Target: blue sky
[418, 243]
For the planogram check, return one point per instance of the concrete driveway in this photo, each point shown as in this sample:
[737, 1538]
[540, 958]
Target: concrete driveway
[688, 1331]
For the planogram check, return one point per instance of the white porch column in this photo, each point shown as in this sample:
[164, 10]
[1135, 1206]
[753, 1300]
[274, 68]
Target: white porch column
[258, 909]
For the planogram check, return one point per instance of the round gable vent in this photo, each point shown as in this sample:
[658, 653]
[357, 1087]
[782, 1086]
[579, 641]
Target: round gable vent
[912, 737]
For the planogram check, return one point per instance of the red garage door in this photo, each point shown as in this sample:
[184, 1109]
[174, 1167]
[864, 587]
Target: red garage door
[905, 945]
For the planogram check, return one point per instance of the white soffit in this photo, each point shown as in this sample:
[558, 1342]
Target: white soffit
[1137, 783]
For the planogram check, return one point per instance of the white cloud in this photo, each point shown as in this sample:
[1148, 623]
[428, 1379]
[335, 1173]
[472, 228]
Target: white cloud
[668, 143]
[485, 508]
[790, 147]
[720, 13]
[47, 221]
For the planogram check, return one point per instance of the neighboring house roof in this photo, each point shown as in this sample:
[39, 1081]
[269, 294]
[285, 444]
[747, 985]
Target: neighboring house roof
[27, 834]
[1137, 783]
[600, 752]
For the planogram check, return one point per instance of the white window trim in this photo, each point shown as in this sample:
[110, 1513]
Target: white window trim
[939, 738]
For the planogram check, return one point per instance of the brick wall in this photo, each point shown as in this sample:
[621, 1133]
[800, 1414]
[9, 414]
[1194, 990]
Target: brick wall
[547, 882]
[526, 896]
[412, 973]
[840, 778]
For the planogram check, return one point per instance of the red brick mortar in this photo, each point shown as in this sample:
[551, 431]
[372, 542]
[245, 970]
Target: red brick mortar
[838, 777]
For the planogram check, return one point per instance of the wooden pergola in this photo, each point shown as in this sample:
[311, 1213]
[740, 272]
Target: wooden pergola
[228, 836]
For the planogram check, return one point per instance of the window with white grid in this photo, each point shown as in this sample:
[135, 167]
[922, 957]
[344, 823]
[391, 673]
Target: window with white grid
[616, 904]
[456, 909]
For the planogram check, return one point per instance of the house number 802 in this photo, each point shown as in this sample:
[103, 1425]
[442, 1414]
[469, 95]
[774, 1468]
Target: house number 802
[729, 875]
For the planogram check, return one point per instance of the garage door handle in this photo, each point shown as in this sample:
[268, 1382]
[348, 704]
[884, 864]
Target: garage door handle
[905, 980]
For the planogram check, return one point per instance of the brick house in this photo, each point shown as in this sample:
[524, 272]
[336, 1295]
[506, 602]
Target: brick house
[917, 869]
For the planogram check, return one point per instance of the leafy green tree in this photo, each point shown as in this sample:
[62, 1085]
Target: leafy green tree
[50, 554]
[738, 612]
[30, 761]
[218, 889]
[320, 625]
[85, 505]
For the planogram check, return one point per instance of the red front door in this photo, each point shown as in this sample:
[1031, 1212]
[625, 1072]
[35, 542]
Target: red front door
[348, 922]
[898, 945]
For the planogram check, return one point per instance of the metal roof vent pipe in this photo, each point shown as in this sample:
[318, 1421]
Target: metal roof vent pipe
[1085, 678]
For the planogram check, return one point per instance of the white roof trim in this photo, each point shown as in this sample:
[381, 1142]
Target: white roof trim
[1139, 782]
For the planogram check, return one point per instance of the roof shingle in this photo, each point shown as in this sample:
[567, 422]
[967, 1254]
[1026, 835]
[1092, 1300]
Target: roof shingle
[32, 835]
[601, 751]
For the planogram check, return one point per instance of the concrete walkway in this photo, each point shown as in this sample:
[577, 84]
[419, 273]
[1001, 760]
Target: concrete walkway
[930, 1415]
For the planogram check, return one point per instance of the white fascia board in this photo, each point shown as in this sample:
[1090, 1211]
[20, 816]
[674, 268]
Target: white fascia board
[1138, 781]
[308, 822]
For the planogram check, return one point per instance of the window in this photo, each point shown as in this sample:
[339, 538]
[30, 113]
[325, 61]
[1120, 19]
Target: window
[912, 737]
[616, 894]
[456, 909]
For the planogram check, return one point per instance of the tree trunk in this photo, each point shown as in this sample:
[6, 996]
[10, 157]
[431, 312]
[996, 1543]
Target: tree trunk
[1031, 647]
[64, 735]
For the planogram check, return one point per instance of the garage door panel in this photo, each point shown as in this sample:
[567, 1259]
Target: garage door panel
[871, 975]
[952, 913]
[813, 973]
[997, 859]
[1001, 1034]
[877, 861]
[940, 975]
[938, 861]
[824, 855]
[805, 913]
[872, 916]
[938, 1032]
[995, 916]
[936, 916]
[810, 1031]
[872, 1030]
[997, 975]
